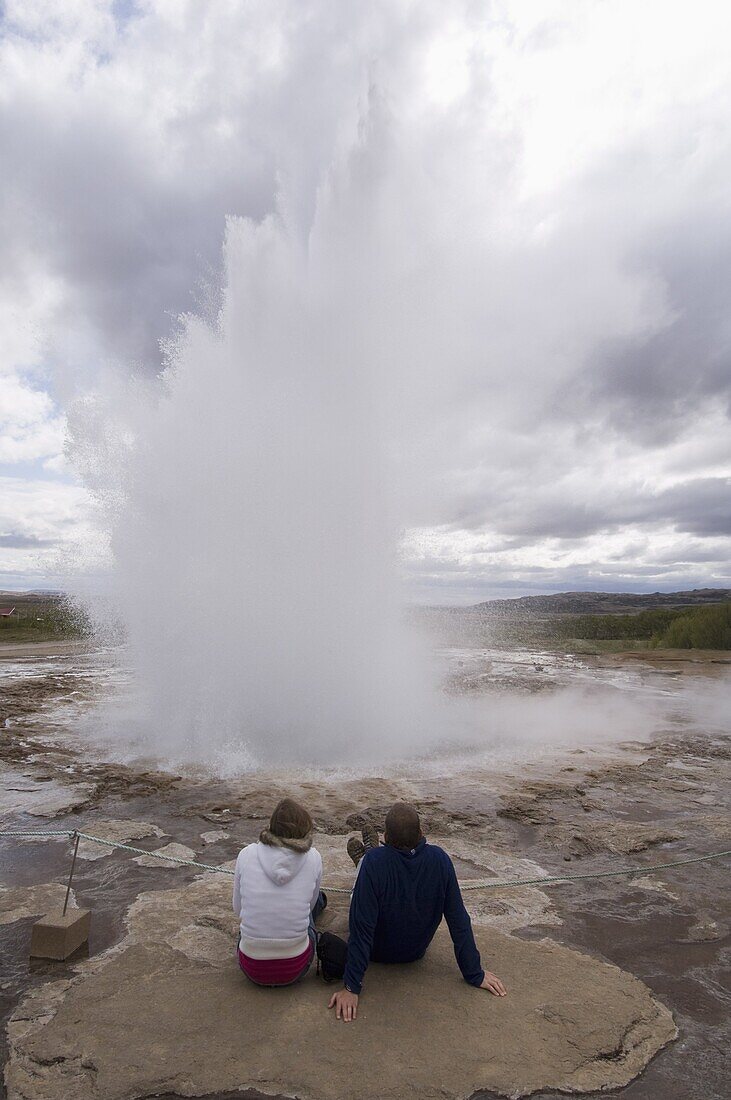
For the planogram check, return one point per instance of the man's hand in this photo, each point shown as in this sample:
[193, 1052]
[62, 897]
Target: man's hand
[493, 983]
[346, 1004]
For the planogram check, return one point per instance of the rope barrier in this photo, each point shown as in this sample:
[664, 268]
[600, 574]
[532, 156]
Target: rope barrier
[470, 884]
[478, 884]
[118, 844]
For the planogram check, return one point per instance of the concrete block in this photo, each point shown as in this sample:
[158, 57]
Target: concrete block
[56, 936]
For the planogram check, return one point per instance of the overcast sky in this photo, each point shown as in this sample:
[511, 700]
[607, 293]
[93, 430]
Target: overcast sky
[580, 152]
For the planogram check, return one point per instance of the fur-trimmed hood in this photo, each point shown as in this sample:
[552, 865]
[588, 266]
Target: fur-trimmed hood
[297, 844]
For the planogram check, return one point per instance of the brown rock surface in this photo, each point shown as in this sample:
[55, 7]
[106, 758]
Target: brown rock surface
[168, 1011]
[617, 837]
[175, 850]
[21, 902]
[120, 831]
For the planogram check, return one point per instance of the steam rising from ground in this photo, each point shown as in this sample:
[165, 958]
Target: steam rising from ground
[253, 497]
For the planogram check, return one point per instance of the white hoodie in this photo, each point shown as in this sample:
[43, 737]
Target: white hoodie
[275, 890]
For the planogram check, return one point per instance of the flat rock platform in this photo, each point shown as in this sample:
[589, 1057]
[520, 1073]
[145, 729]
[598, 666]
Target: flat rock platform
[167, 1011]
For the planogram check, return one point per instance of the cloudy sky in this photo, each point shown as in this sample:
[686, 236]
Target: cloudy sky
[574, 156]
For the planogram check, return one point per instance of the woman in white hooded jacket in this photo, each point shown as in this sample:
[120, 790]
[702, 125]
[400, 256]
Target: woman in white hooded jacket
[277, 897]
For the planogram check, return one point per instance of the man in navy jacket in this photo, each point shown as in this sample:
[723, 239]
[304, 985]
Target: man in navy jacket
[402, 891]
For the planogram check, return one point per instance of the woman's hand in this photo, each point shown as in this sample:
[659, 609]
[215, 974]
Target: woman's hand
[345, 1003]
[493, 983]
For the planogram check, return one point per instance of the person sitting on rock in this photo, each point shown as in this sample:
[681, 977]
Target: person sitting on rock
[277, 898]
[402, 891]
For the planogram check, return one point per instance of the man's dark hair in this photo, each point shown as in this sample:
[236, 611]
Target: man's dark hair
[403, 826]
[290, 820]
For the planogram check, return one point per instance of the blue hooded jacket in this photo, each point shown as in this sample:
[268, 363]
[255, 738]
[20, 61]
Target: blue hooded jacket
[398, 902]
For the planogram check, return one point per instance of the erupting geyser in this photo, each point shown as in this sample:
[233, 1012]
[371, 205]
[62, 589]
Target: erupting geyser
[252, 499]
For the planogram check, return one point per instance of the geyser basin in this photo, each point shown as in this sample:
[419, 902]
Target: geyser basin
[516, 717]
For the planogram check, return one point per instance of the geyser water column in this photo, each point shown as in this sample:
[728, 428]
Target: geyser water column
[254, 532]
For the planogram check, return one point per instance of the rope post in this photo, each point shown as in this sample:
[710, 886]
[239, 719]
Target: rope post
[71, 872]
[58, 936]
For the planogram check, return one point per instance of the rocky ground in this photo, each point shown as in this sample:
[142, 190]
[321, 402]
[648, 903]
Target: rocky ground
[602, 974]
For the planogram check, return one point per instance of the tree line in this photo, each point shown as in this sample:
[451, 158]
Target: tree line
[686, 628]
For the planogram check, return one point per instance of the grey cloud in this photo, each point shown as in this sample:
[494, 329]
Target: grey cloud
[693, 553]
[129, 211]
[650, 389]
[129, 245]
[699, 506]
[561, 519]
[16, 541]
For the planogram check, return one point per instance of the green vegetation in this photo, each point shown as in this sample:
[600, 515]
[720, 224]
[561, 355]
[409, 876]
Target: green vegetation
[643, 624]
[699, 628]
[529, 622]
[40, 619]
[678, 628]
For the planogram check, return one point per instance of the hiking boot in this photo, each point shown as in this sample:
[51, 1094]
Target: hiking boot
[356, 849]
[370, 836]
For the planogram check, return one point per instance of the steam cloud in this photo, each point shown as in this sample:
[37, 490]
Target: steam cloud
[253, 494]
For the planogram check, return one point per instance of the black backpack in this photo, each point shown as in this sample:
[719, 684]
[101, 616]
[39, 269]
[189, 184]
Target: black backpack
[332, 955]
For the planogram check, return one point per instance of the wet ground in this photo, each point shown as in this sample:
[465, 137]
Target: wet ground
[569, 804]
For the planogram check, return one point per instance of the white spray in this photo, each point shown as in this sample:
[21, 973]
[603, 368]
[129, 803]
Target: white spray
[252, 498]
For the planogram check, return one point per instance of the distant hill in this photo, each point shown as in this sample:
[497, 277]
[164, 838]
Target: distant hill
[37, 596]
[597, 603]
